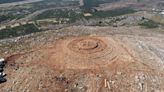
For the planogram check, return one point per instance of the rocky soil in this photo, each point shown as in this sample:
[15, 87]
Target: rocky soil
[85, 59]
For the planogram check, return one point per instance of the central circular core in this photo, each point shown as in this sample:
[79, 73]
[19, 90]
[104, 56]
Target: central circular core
[87, 44]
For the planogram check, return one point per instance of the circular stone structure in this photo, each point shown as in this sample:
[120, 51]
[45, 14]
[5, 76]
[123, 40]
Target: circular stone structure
[83, 53]
[87, 45]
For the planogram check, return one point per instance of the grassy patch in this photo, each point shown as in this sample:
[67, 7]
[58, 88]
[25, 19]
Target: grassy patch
[147, 23]
[18, 31]
[88, 4]
[113, 13]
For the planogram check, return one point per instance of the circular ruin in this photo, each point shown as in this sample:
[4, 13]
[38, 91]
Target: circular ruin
[89, 52]
[87, 45]
[82, 53]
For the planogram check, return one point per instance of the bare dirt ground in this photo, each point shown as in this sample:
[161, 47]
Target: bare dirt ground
[86, 59]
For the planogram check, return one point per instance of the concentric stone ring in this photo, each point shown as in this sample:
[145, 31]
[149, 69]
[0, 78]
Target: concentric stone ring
[87, 45]
[82, 53]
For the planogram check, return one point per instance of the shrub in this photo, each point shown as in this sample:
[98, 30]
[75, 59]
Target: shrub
[149, 23]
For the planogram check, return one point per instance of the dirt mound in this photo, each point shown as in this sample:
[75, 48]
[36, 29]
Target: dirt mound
[82, 64]
[84, 53]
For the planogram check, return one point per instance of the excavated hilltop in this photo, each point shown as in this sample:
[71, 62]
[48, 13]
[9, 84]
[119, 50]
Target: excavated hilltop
[102, 59]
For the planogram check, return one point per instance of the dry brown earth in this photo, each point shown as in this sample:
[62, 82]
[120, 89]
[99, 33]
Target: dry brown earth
[127, 59]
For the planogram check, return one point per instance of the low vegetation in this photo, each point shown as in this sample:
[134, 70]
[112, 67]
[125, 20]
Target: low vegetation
[113, 13]
[74, 15]
[88, 4]
[147, 23]
[9, 1]
[18, 31]
[5, 17]
[58, 13]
